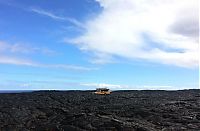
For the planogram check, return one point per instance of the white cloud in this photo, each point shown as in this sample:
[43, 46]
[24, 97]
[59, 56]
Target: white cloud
[123, 26]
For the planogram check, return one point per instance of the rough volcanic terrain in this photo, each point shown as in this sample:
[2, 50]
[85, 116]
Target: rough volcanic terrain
[84, 110]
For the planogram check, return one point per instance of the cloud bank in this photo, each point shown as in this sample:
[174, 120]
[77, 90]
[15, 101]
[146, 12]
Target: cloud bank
[165, 32]
[138, 87]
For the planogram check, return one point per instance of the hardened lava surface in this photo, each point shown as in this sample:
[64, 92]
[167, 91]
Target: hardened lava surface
[86, 111]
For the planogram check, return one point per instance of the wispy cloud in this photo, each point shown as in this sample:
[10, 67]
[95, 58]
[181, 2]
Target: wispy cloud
[26, 62]
[46, 13]
[147, 30]
[68, 67]
[57, 17]
[23, 48]
[16, 61]
[9, 55]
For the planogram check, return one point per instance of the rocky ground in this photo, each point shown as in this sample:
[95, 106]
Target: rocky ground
[83, 110]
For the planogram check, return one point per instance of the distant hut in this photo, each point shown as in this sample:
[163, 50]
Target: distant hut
[102, 91]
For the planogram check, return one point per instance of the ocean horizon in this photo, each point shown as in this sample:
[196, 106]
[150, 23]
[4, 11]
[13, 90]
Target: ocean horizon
[16, 91]
[26, 91]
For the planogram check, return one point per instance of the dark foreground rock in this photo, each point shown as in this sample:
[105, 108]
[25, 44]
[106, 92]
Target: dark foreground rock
[83, 110]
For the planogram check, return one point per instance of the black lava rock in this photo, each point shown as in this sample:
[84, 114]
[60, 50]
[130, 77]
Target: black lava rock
[84, 110]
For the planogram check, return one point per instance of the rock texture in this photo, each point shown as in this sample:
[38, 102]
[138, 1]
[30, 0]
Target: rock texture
[84, 110]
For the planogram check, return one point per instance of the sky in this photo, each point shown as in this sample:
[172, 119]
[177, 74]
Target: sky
[86, 44]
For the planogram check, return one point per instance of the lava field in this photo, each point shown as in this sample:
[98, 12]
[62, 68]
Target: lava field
[86, 111]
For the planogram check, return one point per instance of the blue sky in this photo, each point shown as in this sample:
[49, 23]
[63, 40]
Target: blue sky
[84, 44]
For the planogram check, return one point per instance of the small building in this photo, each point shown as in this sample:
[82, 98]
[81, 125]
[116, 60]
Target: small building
[102, 91]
